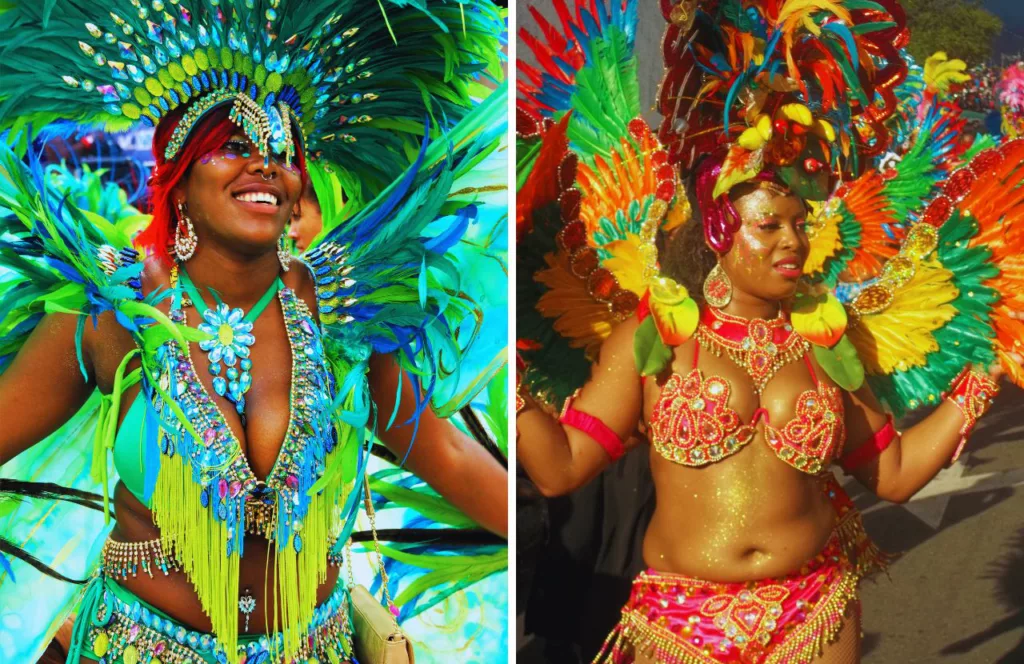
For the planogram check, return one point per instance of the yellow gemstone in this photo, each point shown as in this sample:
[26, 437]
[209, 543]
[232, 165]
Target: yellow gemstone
[332, 655]
[225, 334]
[101, 644]
[130, 655]
[156, 660]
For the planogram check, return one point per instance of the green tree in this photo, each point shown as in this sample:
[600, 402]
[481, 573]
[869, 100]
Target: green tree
[961, 28]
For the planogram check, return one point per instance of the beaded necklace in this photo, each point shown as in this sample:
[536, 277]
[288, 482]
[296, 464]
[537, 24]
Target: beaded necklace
[227, 477]
[203, 497]
[761, 347]
[232, 339]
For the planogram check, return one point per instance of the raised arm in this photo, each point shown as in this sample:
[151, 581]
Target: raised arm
[43, 387]
[456, 466]
[560, 457]
[897, 465]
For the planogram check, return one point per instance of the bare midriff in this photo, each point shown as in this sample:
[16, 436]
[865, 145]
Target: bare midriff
[173, 593]
[749, 516]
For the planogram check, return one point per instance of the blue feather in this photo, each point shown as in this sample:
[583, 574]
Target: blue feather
[847, 37]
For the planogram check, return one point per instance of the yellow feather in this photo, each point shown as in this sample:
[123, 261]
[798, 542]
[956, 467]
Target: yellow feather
[900, 337]
[940, 72]
[801, 10]
[627, 263]
[578, 316]
[823, 234]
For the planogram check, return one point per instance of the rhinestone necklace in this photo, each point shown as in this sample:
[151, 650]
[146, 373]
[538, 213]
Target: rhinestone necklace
[761, 347]
[232, 339]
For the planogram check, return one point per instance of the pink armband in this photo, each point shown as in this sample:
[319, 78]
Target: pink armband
[871, 448]
[594, 428]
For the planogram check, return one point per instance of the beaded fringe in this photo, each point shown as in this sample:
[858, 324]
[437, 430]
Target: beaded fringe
[862, 552]
[299, 574]
[809, 640]
[635, 633]
[189, 532]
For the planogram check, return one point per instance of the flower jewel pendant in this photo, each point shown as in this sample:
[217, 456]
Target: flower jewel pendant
[231, 341]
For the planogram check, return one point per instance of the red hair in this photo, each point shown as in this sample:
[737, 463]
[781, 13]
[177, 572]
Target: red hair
[210, 134]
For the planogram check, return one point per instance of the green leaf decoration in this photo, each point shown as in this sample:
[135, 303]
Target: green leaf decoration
[649, 351]
[842, 364]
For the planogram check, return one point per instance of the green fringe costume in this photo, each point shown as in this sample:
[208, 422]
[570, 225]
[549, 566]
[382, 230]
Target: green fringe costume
[384, 97]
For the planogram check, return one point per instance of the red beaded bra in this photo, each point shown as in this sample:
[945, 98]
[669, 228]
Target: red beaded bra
[693, 425]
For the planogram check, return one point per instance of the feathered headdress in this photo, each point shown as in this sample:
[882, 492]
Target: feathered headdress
[355, 86]
[777, 84]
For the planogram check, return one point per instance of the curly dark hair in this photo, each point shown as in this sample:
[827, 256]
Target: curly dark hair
[685, 255]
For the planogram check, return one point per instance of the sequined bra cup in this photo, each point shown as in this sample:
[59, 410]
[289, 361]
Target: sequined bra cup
[693, 425]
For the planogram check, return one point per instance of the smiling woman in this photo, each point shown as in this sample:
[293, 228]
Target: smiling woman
[666, 297]
[240, 391]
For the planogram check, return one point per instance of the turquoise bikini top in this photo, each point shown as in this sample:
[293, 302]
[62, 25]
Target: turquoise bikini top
[128, 448]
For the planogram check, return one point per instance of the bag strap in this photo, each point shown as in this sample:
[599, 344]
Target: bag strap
[386, 591]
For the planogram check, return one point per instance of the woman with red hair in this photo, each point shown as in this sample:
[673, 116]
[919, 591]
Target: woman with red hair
[239, 383]
[703, 317]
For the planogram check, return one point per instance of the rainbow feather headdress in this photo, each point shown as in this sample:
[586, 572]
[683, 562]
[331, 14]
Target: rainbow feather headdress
[778, 84]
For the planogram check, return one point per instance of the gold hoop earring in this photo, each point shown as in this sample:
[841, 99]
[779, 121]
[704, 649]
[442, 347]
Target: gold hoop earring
[717, 288]
[185, 243]
[283, 255]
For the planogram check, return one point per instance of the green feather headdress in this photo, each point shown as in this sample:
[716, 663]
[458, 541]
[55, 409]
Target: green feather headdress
[353, 86]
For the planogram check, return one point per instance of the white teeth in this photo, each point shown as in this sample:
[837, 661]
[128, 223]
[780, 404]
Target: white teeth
[257, 197]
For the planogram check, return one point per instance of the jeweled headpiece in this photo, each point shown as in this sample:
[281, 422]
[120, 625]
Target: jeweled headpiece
[320, 73]
[777, 84]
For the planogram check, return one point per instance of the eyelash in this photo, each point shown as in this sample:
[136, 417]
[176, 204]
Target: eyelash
[774, 225]
[233, 144]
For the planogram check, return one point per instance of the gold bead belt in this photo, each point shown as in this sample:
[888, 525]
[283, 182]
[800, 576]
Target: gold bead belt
[124, 559]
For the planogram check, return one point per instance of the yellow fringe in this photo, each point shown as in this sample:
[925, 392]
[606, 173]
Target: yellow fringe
[298, 575]
[635, 633]
[199, 542]
[822, 628]
[862, 552]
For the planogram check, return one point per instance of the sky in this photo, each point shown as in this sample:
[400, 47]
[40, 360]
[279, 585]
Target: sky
[1012, 13]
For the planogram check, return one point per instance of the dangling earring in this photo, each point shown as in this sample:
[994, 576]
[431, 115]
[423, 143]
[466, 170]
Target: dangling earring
[717, 288]
[184, 243]
[283, 255]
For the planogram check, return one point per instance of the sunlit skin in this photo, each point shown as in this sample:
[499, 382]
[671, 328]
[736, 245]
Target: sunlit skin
[307, 220]
[750, 516]
[210, 192]
[770, 248]
[236, 257]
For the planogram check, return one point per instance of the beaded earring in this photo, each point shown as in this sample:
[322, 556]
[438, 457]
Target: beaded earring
[185, 243]
[283, 255]
[717, 288]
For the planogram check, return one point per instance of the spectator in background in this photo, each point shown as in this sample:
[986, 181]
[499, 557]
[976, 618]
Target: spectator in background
[307, 219]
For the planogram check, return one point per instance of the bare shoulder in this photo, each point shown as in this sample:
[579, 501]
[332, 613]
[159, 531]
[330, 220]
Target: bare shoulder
[106, 341]
[300, 280]
[620, 341]
[155, 275]
[616, 352]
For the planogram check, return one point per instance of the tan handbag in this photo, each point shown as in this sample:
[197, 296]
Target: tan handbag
[377, 639]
